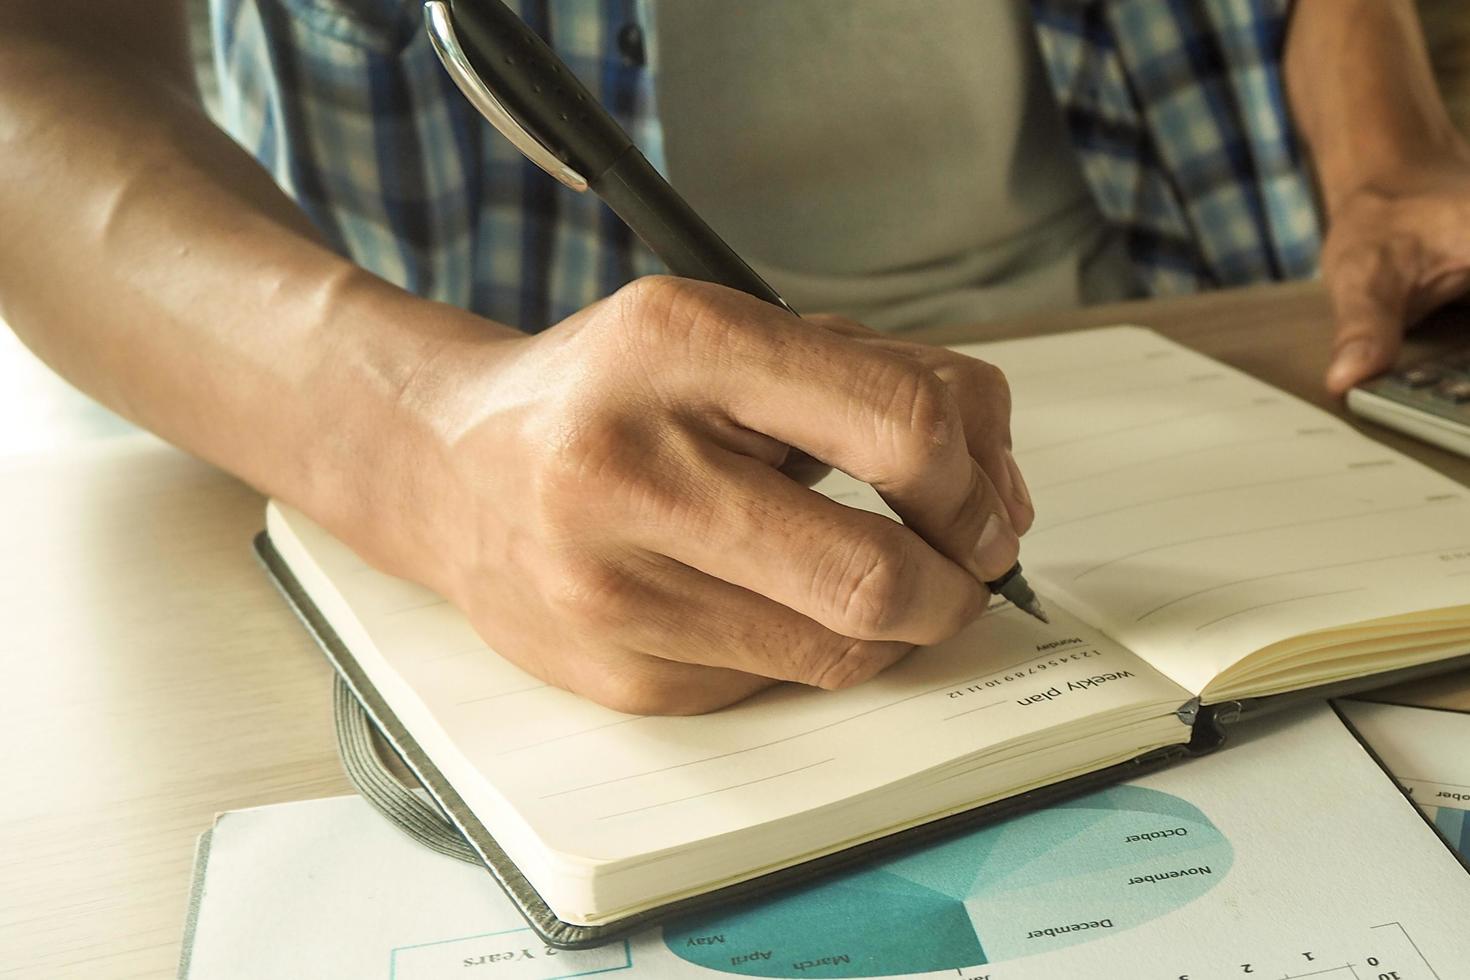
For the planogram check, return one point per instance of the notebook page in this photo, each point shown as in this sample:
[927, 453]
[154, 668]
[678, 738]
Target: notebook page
[1196, 514]
[606, 786]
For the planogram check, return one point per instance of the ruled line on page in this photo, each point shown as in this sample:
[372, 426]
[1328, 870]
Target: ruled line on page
[1214, 447]
[933, 690]
[456, 651]
[1278, 602]
[1246, 532]
[712, 792]
[1322, 475]
[749, 748]
[501, 694]
[567, 735]
[1034, 406]
[451, 654]
[1258, 402]
[436, 601]
[1091, 367]
[752, 748]
[795, 735]
[1296, 571]
[971, 711]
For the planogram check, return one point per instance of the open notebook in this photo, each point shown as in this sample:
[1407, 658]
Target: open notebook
[1203, 541]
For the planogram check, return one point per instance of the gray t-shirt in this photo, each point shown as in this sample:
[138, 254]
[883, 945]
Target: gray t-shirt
[901, 163]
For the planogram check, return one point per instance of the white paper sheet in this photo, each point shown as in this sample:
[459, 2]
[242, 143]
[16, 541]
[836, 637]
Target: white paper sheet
[1428, 752]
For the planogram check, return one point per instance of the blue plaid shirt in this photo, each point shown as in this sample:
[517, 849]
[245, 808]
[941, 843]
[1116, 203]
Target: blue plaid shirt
[1176, 109]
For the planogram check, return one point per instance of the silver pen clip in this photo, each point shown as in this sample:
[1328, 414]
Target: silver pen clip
[446, 45]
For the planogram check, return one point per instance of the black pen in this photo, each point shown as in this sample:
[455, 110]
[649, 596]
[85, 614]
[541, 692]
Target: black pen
[519, 84]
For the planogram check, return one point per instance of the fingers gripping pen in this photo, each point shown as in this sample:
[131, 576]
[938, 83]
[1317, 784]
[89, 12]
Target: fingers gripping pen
[522, 88]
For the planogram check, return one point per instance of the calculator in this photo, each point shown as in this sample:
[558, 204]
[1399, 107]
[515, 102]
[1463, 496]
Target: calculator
[1429, 400]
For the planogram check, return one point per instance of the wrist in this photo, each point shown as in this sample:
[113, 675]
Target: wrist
[393, 397]
[1392, 170]
[1363, 94]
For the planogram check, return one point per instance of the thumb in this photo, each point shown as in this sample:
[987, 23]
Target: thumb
[1370, 324]
[1364, 347]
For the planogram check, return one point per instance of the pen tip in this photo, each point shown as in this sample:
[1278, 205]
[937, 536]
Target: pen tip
[1034, 608]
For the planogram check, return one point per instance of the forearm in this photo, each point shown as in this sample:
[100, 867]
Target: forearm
[1363, 95]
[151, 262]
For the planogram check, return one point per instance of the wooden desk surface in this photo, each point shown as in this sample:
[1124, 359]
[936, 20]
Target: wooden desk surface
[150, 677]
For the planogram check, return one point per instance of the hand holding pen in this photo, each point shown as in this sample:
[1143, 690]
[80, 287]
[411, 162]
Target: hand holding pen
[645, 549]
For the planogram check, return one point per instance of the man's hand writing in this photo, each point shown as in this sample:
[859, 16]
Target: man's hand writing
[608, 510]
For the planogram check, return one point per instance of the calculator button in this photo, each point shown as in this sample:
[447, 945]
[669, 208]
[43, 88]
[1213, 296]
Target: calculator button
[1421, 376]
[1456, 390]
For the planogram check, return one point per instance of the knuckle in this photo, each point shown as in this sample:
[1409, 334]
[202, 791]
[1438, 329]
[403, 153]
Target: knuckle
[592, 598]
[869, 592]
[1362, 259]
[1369, 261]
[588, 457]
[924, 414]
[606, 475]
[1348, 255]
[985, 396]
[590, 438]
[839, 324]
[847, 665]
[649, 298]
[1372, 276]
[1405, 250]
[648, 310]
[991, 381]
[672, 317]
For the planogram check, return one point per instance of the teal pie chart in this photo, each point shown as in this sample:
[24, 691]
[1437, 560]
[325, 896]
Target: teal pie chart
[1455, 825]
[1076, 872]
